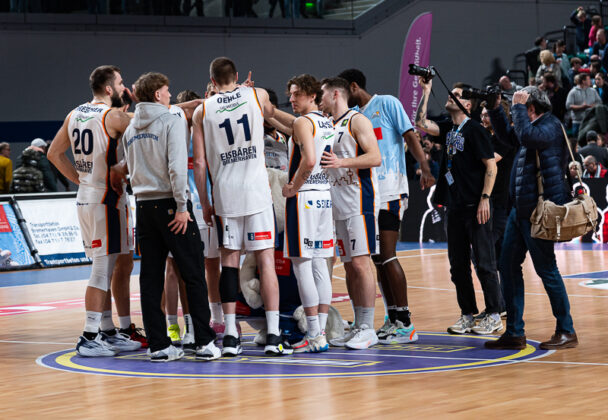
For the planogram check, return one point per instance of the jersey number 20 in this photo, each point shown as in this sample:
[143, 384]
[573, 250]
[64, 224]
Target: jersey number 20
[226, 126]
[83, 142]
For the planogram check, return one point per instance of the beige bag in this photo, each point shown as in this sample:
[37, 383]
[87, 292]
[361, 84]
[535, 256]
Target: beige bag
[562, 223]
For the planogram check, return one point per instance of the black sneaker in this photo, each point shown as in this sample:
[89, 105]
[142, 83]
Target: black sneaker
[231, 346]
[276, 346]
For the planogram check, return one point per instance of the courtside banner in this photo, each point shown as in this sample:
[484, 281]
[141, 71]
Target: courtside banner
[53, 226]
[416, 50]
[14, 251]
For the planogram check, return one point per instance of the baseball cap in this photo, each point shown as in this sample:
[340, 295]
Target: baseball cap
[39, 143]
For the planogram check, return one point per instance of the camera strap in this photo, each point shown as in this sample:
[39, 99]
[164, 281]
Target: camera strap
[454, 98]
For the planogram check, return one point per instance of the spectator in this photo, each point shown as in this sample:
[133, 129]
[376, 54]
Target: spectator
[548, 66]
[575, 171]
[44, 165]
[601, 88]
[593, 149]
[580, 98]
[600, 45]
[532, 61]
[595, 67]
[596, 24]
[593, 169]
[28, 177]
[583, 26]
[557, 95]
[6, 168]
[576, 66]
[507, 86]
[559, 50]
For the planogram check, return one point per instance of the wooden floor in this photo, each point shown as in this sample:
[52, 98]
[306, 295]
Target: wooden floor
[569, 384]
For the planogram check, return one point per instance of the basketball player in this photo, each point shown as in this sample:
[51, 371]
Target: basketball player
[354, 192]
[392, 127]
[228, 136]
[308, 209]
[92, 130]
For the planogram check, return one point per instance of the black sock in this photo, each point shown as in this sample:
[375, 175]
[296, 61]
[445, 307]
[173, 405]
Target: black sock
[89, 335]
[403, 315]
[392, 315]
[110, 332]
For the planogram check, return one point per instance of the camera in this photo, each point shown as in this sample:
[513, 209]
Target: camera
[427, 73]
[489, 94]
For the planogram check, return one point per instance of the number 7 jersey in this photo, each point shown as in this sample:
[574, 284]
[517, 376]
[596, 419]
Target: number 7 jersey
[233, 127]
[94, 153]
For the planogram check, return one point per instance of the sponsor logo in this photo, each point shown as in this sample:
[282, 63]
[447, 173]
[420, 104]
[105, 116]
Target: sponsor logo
[324, 244]
[142, 136]
[83, 120]
[83, 166]
[308, 244]
[325, 124]
[170, 212]
[5, 226]
[238, 155]
[341, 250]
[317, 204]
[344, 123]
[375, 115]
[319, 178]
[86, 108]
[96, 243]
[259, 236]
[308, 204]
[378, 133]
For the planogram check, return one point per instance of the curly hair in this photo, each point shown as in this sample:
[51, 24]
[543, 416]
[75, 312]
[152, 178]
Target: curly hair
[307, 84]
[147, 84]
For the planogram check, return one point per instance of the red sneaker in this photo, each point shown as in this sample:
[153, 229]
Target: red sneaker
[135, 334]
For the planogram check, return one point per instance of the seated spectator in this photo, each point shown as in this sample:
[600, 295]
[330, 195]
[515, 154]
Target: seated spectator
[576, 65]
[580, 98]
[6, 168]
[39, 145]
[583, 26]
[507, 86]
[593, 169]
[593, 149]
[601, 88]
[599, 46]
[548, 66]
[557, 95]
[596, 24]
[595, 67]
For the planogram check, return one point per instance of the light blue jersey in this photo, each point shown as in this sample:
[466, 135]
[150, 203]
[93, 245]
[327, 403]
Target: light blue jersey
[390, 124]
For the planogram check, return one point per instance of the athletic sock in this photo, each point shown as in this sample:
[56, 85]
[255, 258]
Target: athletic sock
[403, 315]
[272, 322]
[188, 323]
[91, 325]
[313, 326]
[392, 313]
[106, 321]
[367, 317]
[322, 320]
[217, 314]
[172, 319]
[357, 316]
[230, 323]
[124, 322]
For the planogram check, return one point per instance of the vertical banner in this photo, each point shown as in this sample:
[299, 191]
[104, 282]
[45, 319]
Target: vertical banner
[416, 50]
[14, 251]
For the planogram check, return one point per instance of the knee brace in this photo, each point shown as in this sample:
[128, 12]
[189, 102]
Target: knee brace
[322, 280]
[389, 260]
[229, 284]
[101, 271]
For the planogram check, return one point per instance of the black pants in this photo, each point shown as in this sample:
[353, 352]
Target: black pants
[465, 233]
[155, 241]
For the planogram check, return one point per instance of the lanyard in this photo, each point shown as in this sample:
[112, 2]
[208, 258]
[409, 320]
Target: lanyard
[451, 147]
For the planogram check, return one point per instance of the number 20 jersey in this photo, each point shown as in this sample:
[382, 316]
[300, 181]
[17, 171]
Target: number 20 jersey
[233, 127]
[94, 153]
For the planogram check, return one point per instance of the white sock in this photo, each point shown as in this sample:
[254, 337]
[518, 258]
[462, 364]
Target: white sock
[188, 323]
[230, 322]
[367, 317]
[322, 320]
[124, 322]
[172, 319]
[272, 322]
[313, 326]
[217, 314]
[106, 321]
[357, 316]
[92, 322]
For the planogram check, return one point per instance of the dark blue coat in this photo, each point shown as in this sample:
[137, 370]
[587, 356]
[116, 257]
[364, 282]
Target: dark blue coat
[545, 136]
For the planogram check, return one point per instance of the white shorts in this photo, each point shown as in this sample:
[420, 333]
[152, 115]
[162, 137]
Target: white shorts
[209, 238]
[309, 225]
[357, 235]
[105, 230]
[251, 233]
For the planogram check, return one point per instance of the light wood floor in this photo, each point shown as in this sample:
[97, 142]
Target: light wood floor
[569, 384]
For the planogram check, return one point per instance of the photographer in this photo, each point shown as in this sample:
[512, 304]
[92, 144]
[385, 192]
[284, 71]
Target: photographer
[535, 130]
[465, 182]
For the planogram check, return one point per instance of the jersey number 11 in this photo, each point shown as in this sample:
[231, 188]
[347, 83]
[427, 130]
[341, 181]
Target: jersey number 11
[226, 126]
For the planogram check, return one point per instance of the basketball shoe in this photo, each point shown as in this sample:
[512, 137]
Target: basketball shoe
[488, 325]
[363, 338]
[231, 346]
[98, 347]
[121, 341]
[276, 346]
[135, 334]
[399, 334]
[208, 352]
[167, 354]
[341, 341]
[311, 345]
[383, 331]
[463, 325]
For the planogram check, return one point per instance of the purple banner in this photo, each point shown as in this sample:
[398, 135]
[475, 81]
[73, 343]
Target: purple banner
[416, 50]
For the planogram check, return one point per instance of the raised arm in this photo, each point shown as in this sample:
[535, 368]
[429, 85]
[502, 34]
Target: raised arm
[57, 154]
[421, 122]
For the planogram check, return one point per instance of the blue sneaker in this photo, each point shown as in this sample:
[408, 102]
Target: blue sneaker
[399, 334]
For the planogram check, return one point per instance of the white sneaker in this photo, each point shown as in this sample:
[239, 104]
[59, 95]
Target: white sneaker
[167, 354]
[121, 341]
[488, 325]
[97, 347]
[341, 341]
[363, 338]
[188, 345]
[399, 334]
[385, 329]
[311, 345]
[208, 352]
[462, 326]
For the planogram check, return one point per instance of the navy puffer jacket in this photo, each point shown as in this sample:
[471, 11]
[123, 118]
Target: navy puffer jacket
[545, 136]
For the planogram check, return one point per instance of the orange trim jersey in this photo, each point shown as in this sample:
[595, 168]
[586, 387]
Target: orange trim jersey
[353, 191]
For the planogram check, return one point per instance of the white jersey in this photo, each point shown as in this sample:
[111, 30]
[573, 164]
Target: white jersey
[94, 153]
[353, 191]
[323, 138]
[233, 126]
[176, 110]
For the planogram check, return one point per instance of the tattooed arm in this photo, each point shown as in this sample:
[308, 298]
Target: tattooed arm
[421, 122]
[483, 210]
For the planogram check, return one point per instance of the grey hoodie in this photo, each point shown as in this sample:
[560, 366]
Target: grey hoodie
[155, 144]
[579, 96]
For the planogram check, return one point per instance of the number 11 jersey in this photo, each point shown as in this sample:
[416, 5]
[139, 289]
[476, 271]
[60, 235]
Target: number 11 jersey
[233, 127]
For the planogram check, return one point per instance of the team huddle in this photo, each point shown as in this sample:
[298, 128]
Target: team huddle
[346, 192]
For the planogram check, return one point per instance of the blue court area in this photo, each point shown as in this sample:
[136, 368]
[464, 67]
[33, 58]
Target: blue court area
[433, 352]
